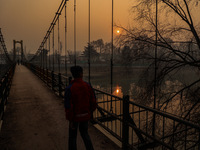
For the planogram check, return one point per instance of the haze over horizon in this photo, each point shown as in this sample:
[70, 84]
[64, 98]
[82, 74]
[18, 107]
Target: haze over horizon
[30, 20]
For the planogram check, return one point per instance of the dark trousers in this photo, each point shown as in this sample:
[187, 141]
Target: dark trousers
[83, 128]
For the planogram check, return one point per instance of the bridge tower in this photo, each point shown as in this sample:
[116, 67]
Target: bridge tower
[14, 50]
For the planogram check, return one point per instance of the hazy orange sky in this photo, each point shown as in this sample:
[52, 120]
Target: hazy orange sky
[28, 20]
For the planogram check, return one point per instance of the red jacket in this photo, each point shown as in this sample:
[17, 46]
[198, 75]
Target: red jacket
[80, 101]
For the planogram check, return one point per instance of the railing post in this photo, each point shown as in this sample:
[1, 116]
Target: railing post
[125, 127]
[47, 76]
[60, 84]
[33, 69]
[43, 74]
[52, 80]
[1, 101]
[199, 141]
[6, 88]
[36, 70]
[70, 79]
[40, 72]
[9, 80]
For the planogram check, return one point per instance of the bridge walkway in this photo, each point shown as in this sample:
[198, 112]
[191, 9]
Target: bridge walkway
[35, 120]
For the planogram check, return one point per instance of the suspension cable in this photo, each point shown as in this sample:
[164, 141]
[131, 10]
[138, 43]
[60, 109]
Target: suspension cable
[66, 39]
[58, 54]
[40, 58]
[50, 29]
[4, 47]
[75, 32]
[111, 60]
[89, 46]
[155, 67]
[53, 48]
[156, 49]
[46, 54]
[43, 65]
[49, 51]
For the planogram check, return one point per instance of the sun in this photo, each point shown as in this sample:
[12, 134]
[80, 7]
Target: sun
[118, 31]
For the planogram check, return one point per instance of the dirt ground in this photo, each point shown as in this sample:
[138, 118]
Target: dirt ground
[35, 120]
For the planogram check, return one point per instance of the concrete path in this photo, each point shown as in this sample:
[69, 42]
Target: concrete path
[35, 120]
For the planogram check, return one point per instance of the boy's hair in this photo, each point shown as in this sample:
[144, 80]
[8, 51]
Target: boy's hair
[76, 71]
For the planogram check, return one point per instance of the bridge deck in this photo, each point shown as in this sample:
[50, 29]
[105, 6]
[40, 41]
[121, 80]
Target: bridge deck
[34, 118]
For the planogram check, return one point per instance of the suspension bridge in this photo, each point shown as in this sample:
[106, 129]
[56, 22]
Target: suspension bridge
[31, 102]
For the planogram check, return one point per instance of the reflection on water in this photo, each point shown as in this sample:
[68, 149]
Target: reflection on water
[118, 91]
[133, 80]
[142, 119]
[169, 89]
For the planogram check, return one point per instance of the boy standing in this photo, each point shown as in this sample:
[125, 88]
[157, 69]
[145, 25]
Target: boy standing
[80, 102]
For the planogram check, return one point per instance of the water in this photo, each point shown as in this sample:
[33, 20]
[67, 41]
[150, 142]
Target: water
[132, 80]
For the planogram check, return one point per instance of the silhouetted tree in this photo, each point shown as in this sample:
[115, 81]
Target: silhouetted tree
[127, 56]
[177, 44]
[178, 55]
[94, 55]
[98, 45]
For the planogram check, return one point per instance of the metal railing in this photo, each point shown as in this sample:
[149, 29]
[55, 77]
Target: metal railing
[130, 123]
[2, 43]
[55, 81]
[5, 61]
[5, 84]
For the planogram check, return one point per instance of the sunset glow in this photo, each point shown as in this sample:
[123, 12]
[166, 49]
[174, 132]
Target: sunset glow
[32, 31]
